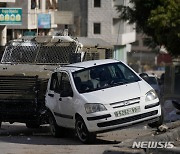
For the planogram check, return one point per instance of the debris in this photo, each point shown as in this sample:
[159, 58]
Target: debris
[145, 127]
[162, 128]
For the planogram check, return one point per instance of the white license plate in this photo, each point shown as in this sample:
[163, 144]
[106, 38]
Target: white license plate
[127, 111]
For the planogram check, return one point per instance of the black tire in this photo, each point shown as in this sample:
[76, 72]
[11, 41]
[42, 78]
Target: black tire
[32, 125]
[55, 130]
[0, 124]
[82, 132]
[158, 123]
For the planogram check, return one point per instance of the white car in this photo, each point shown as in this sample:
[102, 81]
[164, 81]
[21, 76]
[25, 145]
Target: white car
[97, 96]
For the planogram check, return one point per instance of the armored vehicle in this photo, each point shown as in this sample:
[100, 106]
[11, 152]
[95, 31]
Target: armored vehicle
[25, 68]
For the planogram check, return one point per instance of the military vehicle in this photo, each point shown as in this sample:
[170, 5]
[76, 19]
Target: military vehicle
[25, 68]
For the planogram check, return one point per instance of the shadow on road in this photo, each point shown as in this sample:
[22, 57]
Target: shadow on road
[19, 133]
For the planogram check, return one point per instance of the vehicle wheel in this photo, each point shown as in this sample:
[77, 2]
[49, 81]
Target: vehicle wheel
[32, 125]
[0, 123]
[55, 130]
[157, 123]
[82, 132]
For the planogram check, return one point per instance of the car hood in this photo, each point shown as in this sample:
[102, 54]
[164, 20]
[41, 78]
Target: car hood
[114, 94]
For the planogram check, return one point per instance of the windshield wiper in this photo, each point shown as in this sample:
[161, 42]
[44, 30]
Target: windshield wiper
[118, 83]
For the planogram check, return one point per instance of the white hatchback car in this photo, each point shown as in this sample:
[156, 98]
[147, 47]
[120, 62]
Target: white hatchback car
[97, 96]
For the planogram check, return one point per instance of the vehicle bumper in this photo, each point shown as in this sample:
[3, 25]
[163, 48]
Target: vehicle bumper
[107, 120]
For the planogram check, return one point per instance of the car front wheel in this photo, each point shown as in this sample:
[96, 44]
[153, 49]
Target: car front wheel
[82, 132]
[158, 123]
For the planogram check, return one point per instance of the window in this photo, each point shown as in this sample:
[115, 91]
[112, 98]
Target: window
[97, 28]
[55, 82]
[97, 3]
[33, 4]
[60, 83]
[65, 85]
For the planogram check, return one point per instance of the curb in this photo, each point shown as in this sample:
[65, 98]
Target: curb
[172, 134]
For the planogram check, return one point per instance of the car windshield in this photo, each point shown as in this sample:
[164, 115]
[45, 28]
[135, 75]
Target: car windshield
[103, 76]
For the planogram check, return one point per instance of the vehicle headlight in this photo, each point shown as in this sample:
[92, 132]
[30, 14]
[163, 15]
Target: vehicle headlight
[94, 107]
[151, 95]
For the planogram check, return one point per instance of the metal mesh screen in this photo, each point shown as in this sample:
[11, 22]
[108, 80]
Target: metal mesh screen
[32, 52]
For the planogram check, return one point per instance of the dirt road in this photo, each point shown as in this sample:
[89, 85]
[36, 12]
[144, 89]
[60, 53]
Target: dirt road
[17, 139]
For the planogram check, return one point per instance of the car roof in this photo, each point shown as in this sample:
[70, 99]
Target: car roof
[85, 64]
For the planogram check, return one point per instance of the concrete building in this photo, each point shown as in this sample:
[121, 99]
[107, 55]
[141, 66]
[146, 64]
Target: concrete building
[30, 11]
[3, 28]
[39, 17]
[100, 19]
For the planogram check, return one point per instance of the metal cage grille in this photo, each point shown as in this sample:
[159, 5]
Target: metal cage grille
[40, 53]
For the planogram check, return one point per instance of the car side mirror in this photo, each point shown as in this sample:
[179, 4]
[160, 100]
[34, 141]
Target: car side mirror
[68, 93]
[144, 76]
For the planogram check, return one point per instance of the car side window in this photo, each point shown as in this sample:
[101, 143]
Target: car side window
[55, 81]
[65, 85]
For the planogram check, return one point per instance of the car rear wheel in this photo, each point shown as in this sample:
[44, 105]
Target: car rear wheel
[55, 130]
[82, 132]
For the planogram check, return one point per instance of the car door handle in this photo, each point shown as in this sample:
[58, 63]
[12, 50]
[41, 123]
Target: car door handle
[51, 95]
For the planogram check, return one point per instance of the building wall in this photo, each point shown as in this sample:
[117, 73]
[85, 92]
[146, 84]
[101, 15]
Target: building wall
[24, 5]
[79, 9]
[113, 29]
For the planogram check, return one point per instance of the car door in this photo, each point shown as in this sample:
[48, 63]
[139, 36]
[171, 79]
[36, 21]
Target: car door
[53, 95]
[63, 94]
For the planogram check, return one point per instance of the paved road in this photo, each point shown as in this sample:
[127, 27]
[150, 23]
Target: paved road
[17, 139]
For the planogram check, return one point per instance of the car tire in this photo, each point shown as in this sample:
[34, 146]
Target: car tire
[55, 130]
[32, 125]
[82, 132]
[158, 123]
[0, 124]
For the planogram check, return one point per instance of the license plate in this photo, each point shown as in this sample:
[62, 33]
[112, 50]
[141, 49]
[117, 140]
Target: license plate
[127, 111]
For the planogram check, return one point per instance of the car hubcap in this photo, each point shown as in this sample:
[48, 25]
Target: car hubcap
[81, 131]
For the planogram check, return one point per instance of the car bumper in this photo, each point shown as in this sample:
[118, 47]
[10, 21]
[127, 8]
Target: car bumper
[108, 121]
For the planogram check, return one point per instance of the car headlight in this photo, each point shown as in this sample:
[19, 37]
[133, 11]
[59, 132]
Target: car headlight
[94, 107]
[151, 95]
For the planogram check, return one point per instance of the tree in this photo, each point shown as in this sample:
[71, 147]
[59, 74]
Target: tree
[159, 19]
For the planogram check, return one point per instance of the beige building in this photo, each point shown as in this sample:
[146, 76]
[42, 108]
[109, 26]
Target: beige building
[3, 28]
[100, 19]
[39, 17]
